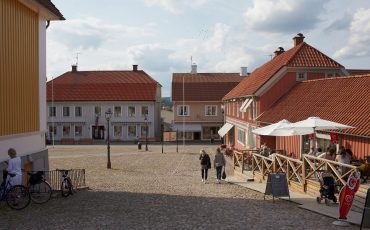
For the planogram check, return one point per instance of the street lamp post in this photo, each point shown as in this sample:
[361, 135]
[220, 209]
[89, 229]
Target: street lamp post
[108, 115]
[146, 132]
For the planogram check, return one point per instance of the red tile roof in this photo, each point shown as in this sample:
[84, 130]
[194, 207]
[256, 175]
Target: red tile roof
[358, 71]
[102, 86]
[51, 7]
[343, 99]
[203, 86]
[302, 55]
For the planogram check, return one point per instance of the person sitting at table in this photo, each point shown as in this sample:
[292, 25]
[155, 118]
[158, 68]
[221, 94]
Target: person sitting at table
[329, 154]
[343, 158]
[264, 149]
[319, 152]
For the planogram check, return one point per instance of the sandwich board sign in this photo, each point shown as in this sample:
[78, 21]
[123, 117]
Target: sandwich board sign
[277, 185]
[365, 222]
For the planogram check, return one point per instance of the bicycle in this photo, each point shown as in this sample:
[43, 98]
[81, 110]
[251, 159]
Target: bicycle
[39, 189]
[66, 185]
[17, 196]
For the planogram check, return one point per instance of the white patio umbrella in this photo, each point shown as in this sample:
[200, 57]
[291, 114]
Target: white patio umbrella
[312, 124]
[276, 129]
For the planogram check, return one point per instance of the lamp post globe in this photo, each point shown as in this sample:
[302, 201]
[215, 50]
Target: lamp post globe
[108, 116]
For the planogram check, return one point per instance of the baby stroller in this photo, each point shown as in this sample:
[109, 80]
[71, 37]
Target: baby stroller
[327, 188]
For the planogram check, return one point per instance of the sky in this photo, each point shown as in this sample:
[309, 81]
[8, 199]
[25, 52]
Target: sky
[163, 36]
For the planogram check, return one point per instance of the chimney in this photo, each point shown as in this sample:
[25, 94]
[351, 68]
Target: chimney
[298, 39]
[74, 68]
[243, 71]
[193, 68]
[279, 51]
[134, 67]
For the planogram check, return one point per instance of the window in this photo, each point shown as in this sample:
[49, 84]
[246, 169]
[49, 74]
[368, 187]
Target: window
[66, 130]
[188, 135]
[52, 111]
[254, 110]
[78, 111]
[131, 111]
[210, 132]
[131, 130]
[144, 111]
[78, 131]
[301, 76]
[143, 130]
[53, 130]
[211, 110]
[97, 111]
[65, 111]
[117, 111]
[117, 131]
[329, 75]
[241, 136]
[183, 110]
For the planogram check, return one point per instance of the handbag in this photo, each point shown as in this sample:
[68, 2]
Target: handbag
[223, 174]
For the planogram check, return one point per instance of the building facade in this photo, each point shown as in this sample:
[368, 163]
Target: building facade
[267, 84]
[78, 101]
[23, 84]
[197, 103]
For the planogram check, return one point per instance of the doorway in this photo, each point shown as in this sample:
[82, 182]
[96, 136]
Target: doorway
[97, 132]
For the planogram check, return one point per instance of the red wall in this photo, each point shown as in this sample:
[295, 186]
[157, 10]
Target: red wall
[360, 146]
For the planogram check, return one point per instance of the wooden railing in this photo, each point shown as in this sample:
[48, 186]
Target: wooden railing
[292, 167]
[243, 159]
[262, 165]
[314, 165]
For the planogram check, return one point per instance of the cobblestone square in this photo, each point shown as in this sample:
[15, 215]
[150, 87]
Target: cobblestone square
[151, 190]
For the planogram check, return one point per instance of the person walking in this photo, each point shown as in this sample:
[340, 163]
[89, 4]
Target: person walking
[14, 168]
[205, 164]
[219, 163]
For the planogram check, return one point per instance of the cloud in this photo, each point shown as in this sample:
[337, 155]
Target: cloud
[358, 44]
[91, 32]
[176, 6]
[284, 16]
[342, 23]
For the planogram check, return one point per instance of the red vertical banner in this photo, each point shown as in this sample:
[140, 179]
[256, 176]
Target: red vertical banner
[347, 194]
[334, 138]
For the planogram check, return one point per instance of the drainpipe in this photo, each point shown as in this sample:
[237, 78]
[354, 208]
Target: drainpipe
[47, 23]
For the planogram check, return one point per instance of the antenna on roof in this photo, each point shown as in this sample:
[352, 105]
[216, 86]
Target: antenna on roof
[77, 58]
[271, 55]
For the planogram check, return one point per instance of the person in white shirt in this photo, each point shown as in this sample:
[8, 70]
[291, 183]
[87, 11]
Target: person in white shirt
[14, 168]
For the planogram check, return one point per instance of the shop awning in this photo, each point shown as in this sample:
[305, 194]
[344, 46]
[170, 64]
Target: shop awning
[224, 129]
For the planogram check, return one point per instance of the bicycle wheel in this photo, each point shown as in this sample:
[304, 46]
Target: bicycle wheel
[18, 197]
[66, 187]
[40, 193]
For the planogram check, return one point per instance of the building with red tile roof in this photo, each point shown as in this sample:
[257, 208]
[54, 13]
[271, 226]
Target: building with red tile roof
[77, 102]
[269, 82]
[197, 102]
[344, 100]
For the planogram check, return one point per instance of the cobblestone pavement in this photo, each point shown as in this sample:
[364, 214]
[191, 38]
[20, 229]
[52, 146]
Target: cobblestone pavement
[151, 190]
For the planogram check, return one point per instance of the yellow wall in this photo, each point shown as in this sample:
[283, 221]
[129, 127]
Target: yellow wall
[19, 84]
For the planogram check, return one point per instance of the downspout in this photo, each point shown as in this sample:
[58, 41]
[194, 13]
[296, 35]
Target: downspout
[47, 23]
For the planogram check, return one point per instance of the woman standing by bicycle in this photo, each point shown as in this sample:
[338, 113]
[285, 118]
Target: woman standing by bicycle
[14, 168]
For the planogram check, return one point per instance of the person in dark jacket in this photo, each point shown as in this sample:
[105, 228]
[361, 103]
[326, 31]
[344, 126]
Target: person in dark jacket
[219, 163]
[205, 164]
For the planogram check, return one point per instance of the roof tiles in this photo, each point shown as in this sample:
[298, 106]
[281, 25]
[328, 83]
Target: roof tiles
[343, 99]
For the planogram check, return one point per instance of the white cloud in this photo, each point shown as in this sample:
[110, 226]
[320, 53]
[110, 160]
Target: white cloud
[284, 16]
[176, 6]
[358, 44]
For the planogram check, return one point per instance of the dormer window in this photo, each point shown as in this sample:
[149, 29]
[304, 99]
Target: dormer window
[301, 76]
[329, 75]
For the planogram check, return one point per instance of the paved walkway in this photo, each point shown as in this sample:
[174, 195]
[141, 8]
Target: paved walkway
[151, 190]
[305, 201]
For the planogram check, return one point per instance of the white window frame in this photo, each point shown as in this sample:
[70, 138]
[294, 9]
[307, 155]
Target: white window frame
[187, 110]
[68, 110]
[52, 111]
[128, 111]
[301, 76]
[147, 110]
[80, 111]
[206, 110]
[143, 129]
[69, 132]
[242, 132]
[120, 111]
[128, 131]
[53, 128]
[120, 130]
[75, 133]
[97, 111]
